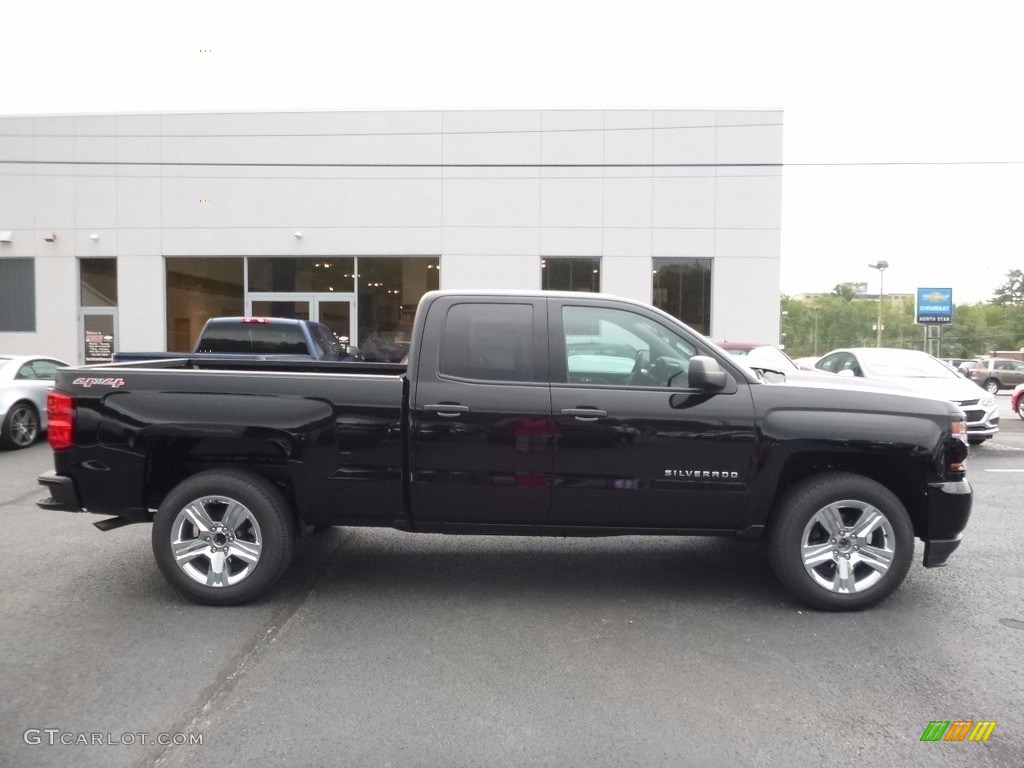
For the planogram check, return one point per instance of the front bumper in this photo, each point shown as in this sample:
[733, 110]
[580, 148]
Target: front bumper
[949, 508]
[63, 496]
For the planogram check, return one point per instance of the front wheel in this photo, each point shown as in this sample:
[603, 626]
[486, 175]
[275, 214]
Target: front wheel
[21, 426]
[841, 542]
[992, 387]
[1020, 407]
[223, 537]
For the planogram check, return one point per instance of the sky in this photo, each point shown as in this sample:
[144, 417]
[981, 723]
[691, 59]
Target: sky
[903, 125]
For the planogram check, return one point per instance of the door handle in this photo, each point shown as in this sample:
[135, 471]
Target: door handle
[584, 414]
[447, 410]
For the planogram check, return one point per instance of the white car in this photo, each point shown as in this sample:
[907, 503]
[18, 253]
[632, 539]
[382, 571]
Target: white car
[924, 374]
[25, 381]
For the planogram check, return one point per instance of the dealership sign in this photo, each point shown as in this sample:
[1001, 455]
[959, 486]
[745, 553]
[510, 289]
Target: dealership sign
[934, 306]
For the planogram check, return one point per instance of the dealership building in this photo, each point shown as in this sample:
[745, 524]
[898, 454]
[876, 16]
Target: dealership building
[126, 232]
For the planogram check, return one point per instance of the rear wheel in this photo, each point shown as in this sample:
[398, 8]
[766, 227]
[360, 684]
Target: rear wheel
[992, 386]
[841, 542]
[21, 426]
[223, 537]
[1020, 406]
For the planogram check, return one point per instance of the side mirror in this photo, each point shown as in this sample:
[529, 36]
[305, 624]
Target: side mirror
[847, 373]
[706, 375]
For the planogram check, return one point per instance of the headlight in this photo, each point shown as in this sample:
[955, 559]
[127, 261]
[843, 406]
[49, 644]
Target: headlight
[988, 401]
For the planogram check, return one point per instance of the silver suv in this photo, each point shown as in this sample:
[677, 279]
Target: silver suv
[998, 373]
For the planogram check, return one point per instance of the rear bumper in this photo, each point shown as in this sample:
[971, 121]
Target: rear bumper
[949, 508]
[63, 496]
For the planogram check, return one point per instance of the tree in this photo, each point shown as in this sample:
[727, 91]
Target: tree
[1011, 293]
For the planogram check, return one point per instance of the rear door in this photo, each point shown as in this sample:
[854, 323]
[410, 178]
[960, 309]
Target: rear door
[481, 413]
[624, 456]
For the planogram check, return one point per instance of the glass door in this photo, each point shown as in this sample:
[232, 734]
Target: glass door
[337, 315]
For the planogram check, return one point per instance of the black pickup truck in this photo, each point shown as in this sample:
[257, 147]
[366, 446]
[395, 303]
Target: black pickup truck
[535, 413]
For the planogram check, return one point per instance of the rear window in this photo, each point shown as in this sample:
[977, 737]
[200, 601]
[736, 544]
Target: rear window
[253, 338]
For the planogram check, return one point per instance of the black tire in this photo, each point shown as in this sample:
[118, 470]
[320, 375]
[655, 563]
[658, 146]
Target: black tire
[992, 386]
[247, 543]
[21, 426]
[855, 535]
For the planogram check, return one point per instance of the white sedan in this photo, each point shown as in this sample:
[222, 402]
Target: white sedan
[923, 373]
[25, 381]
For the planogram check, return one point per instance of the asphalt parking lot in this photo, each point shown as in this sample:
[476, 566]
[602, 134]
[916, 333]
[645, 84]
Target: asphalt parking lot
[389, 649]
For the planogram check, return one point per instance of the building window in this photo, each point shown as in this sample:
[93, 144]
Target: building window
[282, 274]
[568, 274]
[389, 290]
[18, 295]
[98, 281]
[682, 287]
[198, 289]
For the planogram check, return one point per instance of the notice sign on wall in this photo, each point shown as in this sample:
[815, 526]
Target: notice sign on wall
[99, 339]
[934, 306]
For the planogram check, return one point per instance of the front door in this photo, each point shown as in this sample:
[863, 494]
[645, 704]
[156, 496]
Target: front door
[624, 456]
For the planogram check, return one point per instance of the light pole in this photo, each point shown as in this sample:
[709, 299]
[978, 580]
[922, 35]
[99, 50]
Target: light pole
[881, 267]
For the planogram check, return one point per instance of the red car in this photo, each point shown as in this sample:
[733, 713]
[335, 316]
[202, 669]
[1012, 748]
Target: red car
[1017, 400]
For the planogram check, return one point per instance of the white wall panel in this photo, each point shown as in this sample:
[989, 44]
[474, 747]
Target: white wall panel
[16, 204]
[628, 201]
[567, 202]
[493, 202]
[571, 241]
[492, 241]
[685, 201]
[753, 201]
[142, 303]
[138, 202]
[627, 276]
[627, 242]
[54, 198]
[745, 300]
[96, 202]
[474, 271]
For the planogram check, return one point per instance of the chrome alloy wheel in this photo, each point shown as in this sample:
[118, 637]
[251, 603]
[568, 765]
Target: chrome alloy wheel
[848, 546]
[23, 426]
[216, 541]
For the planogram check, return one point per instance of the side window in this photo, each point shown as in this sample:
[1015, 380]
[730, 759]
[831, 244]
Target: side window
[26, 372]
[622, 348]
[848, 362]
[829, 363]
[45, 369]
[488, 342]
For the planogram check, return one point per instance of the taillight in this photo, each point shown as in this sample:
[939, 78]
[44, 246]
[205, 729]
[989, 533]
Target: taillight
[255, 319]
[60, 413]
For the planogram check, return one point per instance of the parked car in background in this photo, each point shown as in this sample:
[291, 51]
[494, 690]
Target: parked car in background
[1017, 400]
[24, 383]
[923, 373]
[260, 336]
[997, 373]
[765, 353]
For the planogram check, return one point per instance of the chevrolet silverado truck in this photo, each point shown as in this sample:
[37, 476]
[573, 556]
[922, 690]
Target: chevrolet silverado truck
[552, 414]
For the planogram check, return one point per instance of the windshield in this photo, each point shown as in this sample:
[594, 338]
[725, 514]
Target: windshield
[904, 364]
